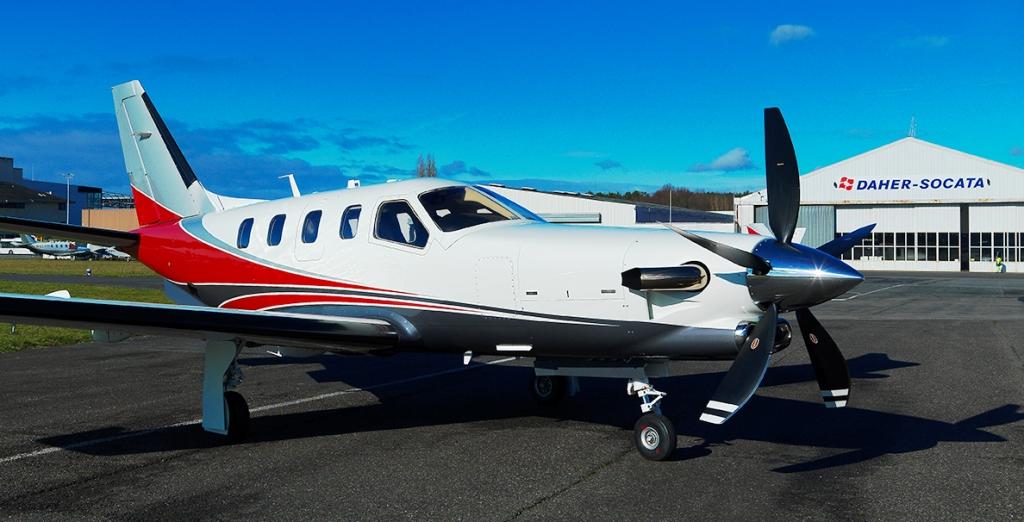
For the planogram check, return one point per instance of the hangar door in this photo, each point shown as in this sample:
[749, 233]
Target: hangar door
[819, 222]
[996, 231]
[906, 237]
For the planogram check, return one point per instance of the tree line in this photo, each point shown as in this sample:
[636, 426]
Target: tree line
[681, 197]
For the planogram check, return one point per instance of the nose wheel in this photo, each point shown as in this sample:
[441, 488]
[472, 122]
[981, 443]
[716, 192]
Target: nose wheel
[655, 436]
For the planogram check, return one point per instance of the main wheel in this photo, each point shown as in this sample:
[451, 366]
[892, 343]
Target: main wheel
[238, 416]
[655, 436]
[548, 389]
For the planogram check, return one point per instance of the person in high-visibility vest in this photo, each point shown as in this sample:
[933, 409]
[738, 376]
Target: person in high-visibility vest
[1000, 267]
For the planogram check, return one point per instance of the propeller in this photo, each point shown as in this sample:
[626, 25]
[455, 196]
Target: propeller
[784, 276]
[746, 372]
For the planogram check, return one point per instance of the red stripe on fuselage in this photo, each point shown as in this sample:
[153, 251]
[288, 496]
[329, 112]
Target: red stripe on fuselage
[180, 257]
[264, 301]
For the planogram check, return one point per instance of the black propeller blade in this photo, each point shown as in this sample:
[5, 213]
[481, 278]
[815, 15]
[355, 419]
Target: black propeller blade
[783, 176]
[735, 255]
[837, 246]
[829, 363]
[746, 371]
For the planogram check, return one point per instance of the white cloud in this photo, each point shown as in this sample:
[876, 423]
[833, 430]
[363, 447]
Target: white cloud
[790, 32]
[735, 159]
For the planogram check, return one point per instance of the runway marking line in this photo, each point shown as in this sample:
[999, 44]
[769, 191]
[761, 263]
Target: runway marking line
[878, 290]
[285, 404]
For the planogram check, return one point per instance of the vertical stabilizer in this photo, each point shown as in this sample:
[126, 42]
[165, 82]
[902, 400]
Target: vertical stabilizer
[163, 184]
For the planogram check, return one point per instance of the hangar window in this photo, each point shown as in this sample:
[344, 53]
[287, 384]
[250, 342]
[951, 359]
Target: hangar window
[275, 230]
[396, 222]
[908, 246]
[350, 221]
[456, 208]
[244, 231]
[311, 226]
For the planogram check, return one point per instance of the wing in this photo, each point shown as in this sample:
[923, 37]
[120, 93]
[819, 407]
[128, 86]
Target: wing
[274, 328]
[99, 236]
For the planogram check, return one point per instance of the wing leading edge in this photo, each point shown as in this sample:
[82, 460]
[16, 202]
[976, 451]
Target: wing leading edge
[310, 331]
[99, 236]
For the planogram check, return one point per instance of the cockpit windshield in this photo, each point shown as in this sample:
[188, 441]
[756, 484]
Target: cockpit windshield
[456, 208]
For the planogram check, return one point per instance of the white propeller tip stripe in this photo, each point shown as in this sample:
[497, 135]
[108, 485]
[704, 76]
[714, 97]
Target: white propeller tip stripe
[724, 406]
[835, 393]
[713, 419]
[836, 404]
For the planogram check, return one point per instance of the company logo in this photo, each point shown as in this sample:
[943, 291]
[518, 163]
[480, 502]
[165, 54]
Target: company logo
[846, 183]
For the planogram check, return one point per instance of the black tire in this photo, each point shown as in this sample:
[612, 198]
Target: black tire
[238, 416]
[655, 437]
[548, 389]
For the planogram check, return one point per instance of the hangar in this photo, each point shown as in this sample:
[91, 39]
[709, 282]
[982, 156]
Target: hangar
[580, 208]
[937, 209]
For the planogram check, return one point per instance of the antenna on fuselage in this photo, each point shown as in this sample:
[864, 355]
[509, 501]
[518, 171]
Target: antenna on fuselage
[291, 182]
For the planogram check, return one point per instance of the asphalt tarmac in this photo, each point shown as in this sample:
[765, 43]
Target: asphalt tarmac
[934, 430]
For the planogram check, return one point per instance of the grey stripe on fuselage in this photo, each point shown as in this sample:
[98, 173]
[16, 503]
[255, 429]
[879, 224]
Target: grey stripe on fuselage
[439, 331]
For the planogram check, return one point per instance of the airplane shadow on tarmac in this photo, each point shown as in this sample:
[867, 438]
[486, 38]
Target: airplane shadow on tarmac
[471, 398]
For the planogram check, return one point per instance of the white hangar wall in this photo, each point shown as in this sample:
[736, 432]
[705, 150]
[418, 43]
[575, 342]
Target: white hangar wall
[579, 209]
[936, 208]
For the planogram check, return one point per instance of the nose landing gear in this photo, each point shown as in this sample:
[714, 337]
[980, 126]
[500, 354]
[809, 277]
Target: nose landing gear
[653, 433]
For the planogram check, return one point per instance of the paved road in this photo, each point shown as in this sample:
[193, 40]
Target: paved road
[934, 430]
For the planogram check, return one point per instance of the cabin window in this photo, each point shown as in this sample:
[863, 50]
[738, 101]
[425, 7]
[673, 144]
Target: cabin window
[311, 226]
[244, 231]
[396, 222]
[350, 221]
[275, 230]
[456, 208]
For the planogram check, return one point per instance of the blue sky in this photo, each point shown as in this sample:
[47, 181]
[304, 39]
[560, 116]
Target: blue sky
[573, 95]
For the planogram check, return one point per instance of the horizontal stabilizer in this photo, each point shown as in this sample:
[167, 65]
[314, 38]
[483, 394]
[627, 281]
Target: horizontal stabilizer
[275, 328]
[99, 236]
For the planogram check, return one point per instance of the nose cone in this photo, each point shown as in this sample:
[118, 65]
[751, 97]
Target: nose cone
[800, 277]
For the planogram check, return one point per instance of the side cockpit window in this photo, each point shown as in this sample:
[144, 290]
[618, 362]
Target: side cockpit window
[244, 232]
[350, 221]
[311, 226]
[396, 222]
[275, 230]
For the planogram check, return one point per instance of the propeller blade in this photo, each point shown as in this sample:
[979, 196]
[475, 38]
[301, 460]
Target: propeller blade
[783, 176]
[746, 372]
[735, 255]
[839, 245]
[829, 364]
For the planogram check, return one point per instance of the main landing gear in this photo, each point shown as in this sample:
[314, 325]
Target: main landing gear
[225, 411]
[653, 433]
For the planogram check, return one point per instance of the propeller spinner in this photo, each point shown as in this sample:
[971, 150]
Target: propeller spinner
[784, 276]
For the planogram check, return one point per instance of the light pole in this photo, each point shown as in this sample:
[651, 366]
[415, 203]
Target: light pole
[67, 205]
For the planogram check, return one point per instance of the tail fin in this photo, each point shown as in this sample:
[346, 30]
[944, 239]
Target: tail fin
[163, 184]
[27, 239]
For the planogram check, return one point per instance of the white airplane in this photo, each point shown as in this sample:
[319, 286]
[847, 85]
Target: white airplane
[440, 266]
[69, 248]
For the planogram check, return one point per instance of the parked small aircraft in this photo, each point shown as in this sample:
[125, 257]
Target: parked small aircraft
[441, 266]
[69, 248]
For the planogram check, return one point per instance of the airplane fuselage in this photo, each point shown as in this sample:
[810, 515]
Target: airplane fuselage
[514, 285]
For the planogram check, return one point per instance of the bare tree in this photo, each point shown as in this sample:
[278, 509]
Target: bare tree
[426, 168]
